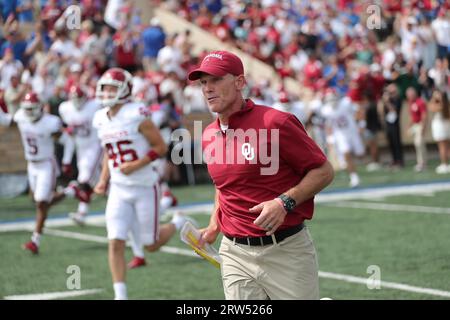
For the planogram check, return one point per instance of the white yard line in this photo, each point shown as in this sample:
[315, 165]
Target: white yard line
[75, 235]
[53, 295]
[367, 193]
[56, 222]
[104, 240]
[370, 193]
[385, 284]
[391, 208]
[322, 274]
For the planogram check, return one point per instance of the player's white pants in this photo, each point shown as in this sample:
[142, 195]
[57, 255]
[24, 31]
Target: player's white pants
[88, 163]
[128, 205]
[42, 179]
[349, 142]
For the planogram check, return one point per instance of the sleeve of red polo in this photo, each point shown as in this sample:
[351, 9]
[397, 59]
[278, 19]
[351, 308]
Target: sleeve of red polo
[297, 148]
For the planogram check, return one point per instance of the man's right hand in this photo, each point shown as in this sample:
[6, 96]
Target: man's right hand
[100, 188]
[209, 235]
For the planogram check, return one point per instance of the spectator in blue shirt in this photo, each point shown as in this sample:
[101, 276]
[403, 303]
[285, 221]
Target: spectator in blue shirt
[25, 11]
[153, 39]
[214, 6]
[8, 7]
[328, 40]
[16, 43]
[333, 71]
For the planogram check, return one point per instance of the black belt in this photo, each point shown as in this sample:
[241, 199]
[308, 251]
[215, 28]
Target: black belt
[266, 240]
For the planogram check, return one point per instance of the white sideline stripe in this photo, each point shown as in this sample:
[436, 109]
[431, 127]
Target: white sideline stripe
[200, 208]
[385, 284]
[368, 193]
[183, 252]
[322, 274]
[104, 240]
[397, 208]
[58, 222]
[75, 235]
[53, 295]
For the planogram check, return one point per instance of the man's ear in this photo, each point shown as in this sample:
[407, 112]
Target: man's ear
[240, 82]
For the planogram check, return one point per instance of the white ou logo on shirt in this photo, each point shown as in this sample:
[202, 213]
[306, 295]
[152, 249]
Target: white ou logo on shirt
[247, 151]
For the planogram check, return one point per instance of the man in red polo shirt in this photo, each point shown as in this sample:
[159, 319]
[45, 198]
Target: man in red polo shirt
[266, 171]
[417, 126]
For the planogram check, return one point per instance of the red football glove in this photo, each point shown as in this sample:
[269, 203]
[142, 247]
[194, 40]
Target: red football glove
[67, 170]
[70, 130]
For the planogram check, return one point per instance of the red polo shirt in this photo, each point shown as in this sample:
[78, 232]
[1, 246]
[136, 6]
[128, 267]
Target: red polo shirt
[417, 110]
[236, 163]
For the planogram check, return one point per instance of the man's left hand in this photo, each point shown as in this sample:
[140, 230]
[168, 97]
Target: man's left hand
[272, 215]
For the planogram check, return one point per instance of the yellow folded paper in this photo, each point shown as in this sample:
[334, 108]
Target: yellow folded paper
[191, 236]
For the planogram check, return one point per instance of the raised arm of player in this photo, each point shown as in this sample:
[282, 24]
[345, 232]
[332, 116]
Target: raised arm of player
[158, 146]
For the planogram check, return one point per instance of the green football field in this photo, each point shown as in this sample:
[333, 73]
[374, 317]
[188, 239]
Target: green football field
[383, 230]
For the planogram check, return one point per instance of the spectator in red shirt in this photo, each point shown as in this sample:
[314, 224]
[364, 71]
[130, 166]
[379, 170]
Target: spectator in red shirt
[204, 19]
[260, 203]
[377, 81]
[418, 115]
[50, 14]
[312, 72]
[125, 49]
[393, 6]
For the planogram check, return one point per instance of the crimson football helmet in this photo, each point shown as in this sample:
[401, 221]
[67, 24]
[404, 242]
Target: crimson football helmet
[32, 106]
[116, 77]
[77, 96]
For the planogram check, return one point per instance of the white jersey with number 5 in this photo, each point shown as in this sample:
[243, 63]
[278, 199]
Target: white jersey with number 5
[37, 136]
[123, 142]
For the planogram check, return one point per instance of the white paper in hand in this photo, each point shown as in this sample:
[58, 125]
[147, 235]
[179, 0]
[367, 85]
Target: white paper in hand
[191, 236]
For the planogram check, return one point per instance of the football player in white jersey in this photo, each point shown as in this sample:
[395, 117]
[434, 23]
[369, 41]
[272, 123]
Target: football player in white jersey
[341, 122]
[38, 131]
[77, 114]
[131, 143]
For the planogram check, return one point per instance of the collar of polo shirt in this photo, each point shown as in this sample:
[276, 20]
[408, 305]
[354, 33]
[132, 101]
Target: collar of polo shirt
[249, 104]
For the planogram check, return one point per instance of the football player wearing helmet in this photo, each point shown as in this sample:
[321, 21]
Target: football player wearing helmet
[131, 142]
[38, 131]
[81, 138]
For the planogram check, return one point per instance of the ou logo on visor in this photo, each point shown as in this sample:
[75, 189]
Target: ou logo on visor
[247, 151]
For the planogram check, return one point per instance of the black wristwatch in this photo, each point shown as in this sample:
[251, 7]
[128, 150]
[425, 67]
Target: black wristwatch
[288, 203]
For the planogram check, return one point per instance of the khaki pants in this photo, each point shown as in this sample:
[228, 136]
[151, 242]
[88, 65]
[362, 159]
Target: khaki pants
[286, 270]
[419, 144]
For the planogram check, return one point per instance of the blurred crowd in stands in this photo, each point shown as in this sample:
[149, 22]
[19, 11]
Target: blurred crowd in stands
[376, 56]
